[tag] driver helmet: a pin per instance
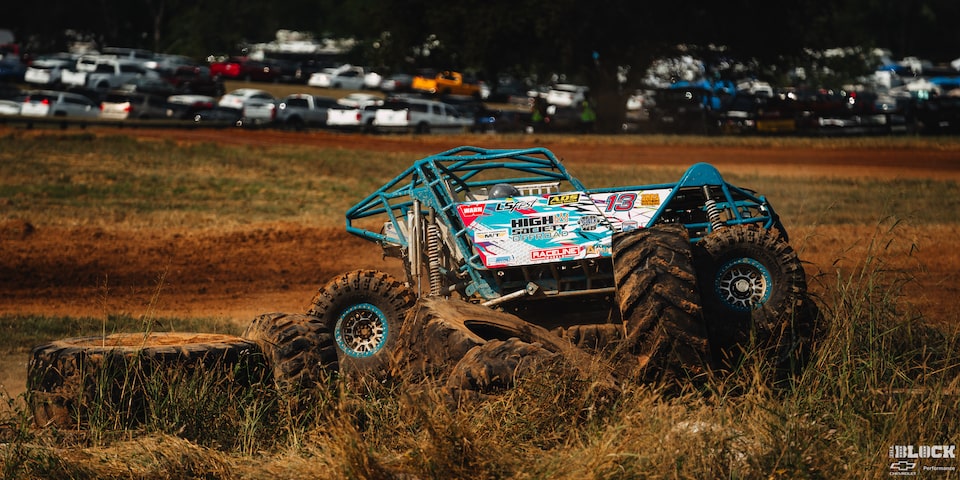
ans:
(504, 190)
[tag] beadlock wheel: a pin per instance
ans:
(743, 284)
(362, 330)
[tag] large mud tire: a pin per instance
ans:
(497, 365)
(659, 302)
(364, 309)
(594, 338)
(300, 350)
(65, 377)
(754, 289)
(439, 331)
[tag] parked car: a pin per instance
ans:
(301, 110)
(355, 111)
(196, 79)
(396, 83)
(360, 99)
(345, 76)
(150, 86)
(566, 94)
(144, 57)
(219, 116)
(243, 68)
(257, 112)
(239, 97)
(186, 106)
(135, 106)
(447, 82)
(47, 70)
(12, 70)
(107, 73)
(53, 103)
(10, 107)
(419, 116)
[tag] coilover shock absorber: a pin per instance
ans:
(713, 213)
(433, 257)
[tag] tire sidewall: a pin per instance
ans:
(377, 296)
(763, 253)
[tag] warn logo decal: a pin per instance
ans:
(554, 253)
(469, 213)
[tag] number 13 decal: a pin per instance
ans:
(621, 202)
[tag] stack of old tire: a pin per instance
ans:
(68, 378)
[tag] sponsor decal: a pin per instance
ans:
(489, 235)
(513, 206)
(502, 259)
(588, 222)
(538, 228)
(469, 213)
(563, 199)
(598, 250)
(554, 253)
(629, 225)
(650, 199)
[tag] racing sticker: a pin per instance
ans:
(469, 213)
(537, 229)
(556, 254)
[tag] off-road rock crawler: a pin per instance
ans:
(664, 271)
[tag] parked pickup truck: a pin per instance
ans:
(419, 116)
(354, 112)
(301, 110)
(108, 73)
(446, 83)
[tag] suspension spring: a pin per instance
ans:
(433, 258)
(713, 213)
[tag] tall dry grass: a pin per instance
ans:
(876, 378)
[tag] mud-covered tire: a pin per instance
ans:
(659, 301)
(300, 349)
(497, 365)
(364, 309)
(439, 331)
(593, 337)
(65, 376)
(753, 288)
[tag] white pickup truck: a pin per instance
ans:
(105, 73)
(419, 116)
(354, 112)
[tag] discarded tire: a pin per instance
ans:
(659, 301)
(497, 365)
(364, 309)
(299, 349)
(753, 288)
(65, 378)
(594, 337)
(439, 331)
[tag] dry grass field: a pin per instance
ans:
(221, 225)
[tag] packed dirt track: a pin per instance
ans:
(239, 273)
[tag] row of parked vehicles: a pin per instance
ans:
(252, 107)
(120, 83)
